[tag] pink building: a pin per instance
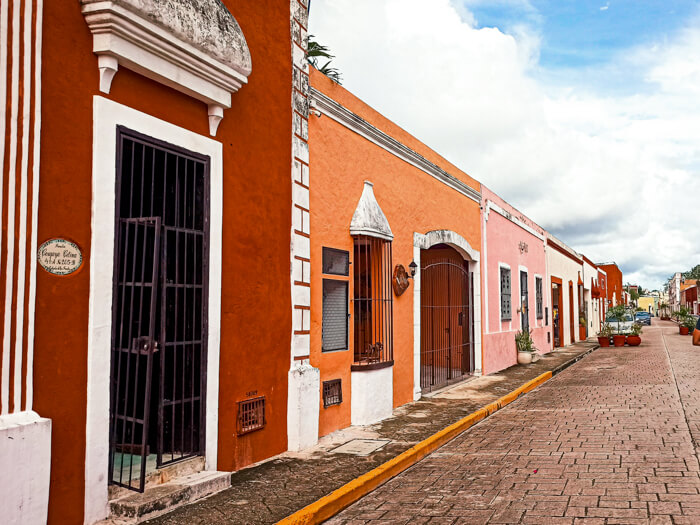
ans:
(514, 286)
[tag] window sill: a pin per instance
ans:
(371, 366)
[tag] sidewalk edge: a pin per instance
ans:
(330, 505)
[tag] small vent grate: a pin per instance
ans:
(332, 393)
(251, 415)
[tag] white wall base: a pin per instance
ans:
(304, 398)
(372, 395)
(25, 468)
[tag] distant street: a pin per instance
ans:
(609, 440)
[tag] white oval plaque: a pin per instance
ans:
(60, 257)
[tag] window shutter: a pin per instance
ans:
(505, 294)
(335, 315)
(538, 296)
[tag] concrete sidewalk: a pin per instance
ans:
(270, 491)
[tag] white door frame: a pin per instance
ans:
(107, 115)
(472, 256)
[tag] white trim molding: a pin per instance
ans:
(106, 117)
(473, 257)
(197, 48)
(490, 205)
(325, 105)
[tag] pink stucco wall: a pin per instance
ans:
(501, 238)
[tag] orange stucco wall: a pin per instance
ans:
(256, 304)
(412, 200)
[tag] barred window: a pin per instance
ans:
(538, 297)
(335, 315)
(374, 333)
(505, 294)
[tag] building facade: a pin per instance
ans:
(144, 145)
(565, 267)
(515, 282)
(395, 263)
(615, 291)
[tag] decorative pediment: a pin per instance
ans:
(194, 46)
(369, 219)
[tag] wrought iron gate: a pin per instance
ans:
(159, 329)
(446, 318)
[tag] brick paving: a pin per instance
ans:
(610, 440)
(272, 490)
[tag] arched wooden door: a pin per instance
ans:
(446, 317)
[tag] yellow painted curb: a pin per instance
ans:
(328, 506)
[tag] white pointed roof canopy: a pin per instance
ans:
(369, 219)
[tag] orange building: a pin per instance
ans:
(384, 206)
(615, 291)
(146, 214)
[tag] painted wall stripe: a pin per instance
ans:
(20, 45)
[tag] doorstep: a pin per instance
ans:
(166, 489)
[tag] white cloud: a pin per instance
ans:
(605, 7)
(615, 175)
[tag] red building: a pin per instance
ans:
(615, 290)
(151, 170)
(689, 298)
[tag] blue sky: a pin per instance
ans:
(581, 33)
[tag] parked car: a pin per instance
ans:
(643, 318)
(621, 325)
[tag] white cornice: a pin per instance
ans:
(126, 36)
(329, 107)
(490, 205)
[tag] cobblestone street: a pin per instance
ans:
(609, 440)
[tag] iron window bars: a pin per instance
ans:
(373, 303)
(505, 294)
(538, 297)
(332, 393)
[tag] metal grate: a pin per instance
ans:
(335, 315)
(332, 393)
(524, 302)
(374, 330)
(159, 307)
(538, 297)
(505, 294)
(336, 262)
(251, 415)
(447, 324)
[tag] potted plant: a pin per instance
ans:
(606, 332)
(525, 346)
(687, 325)
(634, 339)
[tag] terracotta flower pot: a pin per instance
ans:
(634, 340)
(619, 340)
(684, 330)
(524, 358)
(604, 341)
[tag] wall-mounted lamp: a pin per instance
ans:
(412, 268)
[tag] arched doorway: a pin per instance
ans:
(447, 320)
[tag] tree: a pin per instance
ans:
(316, 51)
(694, 273)
(634, 295)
